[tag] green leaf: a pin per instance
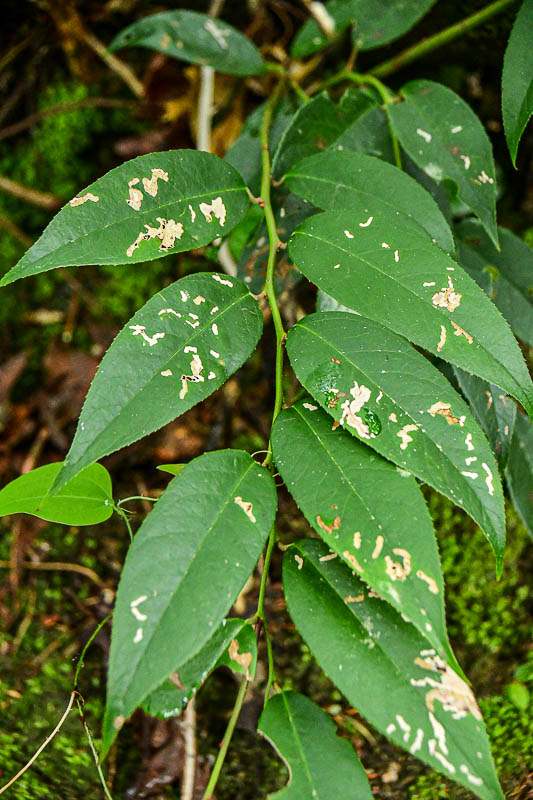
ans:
(193, 37)
(325, 302)
(441, 133)
(175, 351)
(235, 636)
(172, 469)
(340, 180)
(369, 130)
(519, 472)
(186, 566)
(382, 390)
(314, 127)
(181, 199)
(376, 23)
(321, 765)
(517, 79)
(495, 412)
(385, 669)
(506, 275)
(389, 272)
(85, 500)
(339, 484)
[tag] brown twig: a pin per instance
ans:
(56, 566)
(16, 232)
(189, 739)
(63, 108)
(114, 63)
(33, 196)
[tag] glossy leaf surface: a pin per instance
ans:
(517, 78)
(174, 352)
(339, 484)
(376, 23)
(193, 37)
(519, 472)
(441, 134)
(186, 566)
(321, 764)
(85, 500)
(386, 393)
(506, 275)
(366, 185)
(158, 203)
(495, 412)
(385, 669)
(389, 272)
(235, 636)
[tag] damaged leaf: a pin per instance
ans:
(169, 700)
(321, 764)
(391, 545)
(357, 370)
(196, 38)
(444, 137)
(175, 351)
(391, 273)
(138, 218)
(85, 500)
(385, 669)
(187, 564)
(367, 185)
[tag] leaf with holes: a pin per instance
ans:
(382, 390)
(517, 79)
(506, 275)
(193, 37)
(441, 133)
(153, 204)
(186, 566)
(175, 351)
(376, 23)
(85, 500)
(495, 412)
(339, 485)
(232, 645)
(391, 273)
(386, 670)
(366, 185)
(519, 472)
(321, 764)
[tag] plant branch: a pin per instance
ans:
(119, 67)
(206, 95)
(33, 196)
(274, 244)
(439, 39)
(208, 794)
(55, 566)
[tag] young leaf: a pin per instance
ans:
(153, 204)
(517, 79)
(172, 469)
(376, 23)
(193, 37)
(495, 412)
(340, 179)
(381, 389)
(519, 472)
(321, 765)
(175, 351)
(506, 275)
(391, 273)
(236, 638)
(385, 669)
(339, 485)
(441, 133)
(183, 572)
(85, 500)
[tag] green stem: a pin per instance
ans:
(92, 637)
(439, 39)
(122, 513)
(260, 613)
(136, 497)
(274, 244)
(225, 741)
